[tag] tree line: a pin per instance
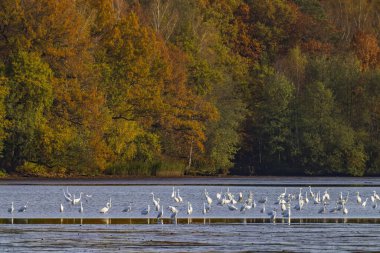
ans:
(189, 87)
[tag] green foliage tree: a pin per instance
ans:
(328, 145)
(271, 125)
(28, 102)
(4, 122)
(368, 113)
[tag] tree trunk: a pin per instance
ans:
(190, 155)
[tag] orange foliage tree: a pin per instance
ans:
(367, 49)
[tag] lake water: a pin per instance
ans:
(42, 227)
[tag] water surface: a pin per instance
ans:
(43, 228)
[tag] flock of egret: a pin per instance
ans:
(282, 205)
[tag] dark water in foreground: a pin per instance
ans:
(42, 228)
(191, 238)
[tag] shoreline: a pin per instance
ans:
(114, 177)
(251, 181)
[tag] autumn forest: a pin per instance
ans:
(189, 87)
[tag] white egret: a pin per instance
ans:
(106, 208)
(173, 193)
(11, 209)
(145, 211)
(364, 203)
(68, 198)
(263, 209)
(156, 202)
(232, 207)
(219, 195)
(209, 200)
(345, 210)
(158, 205)
(77, 200)
(208, 208)
(233, 201)
(300, 204)
(176, 199)
(189, 208)
(240, 199)
(326, 195)
(61, 208)
(340, 196)
(323, 209)
(377, 197)
(68, 193)
(173, 209)
(273, 216)
(311, 193)
(317, 199)
(282, 195)
(225, 201)
(161, 213)
(300, 194)
(250, 196)
(358, 198)
(179, 197)
(23, 209)
(346, 199)
(263, 200)
(283, 207)
(128, 209)
(173, 216)
(247, 206)
(243, 207)
(287, 213)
